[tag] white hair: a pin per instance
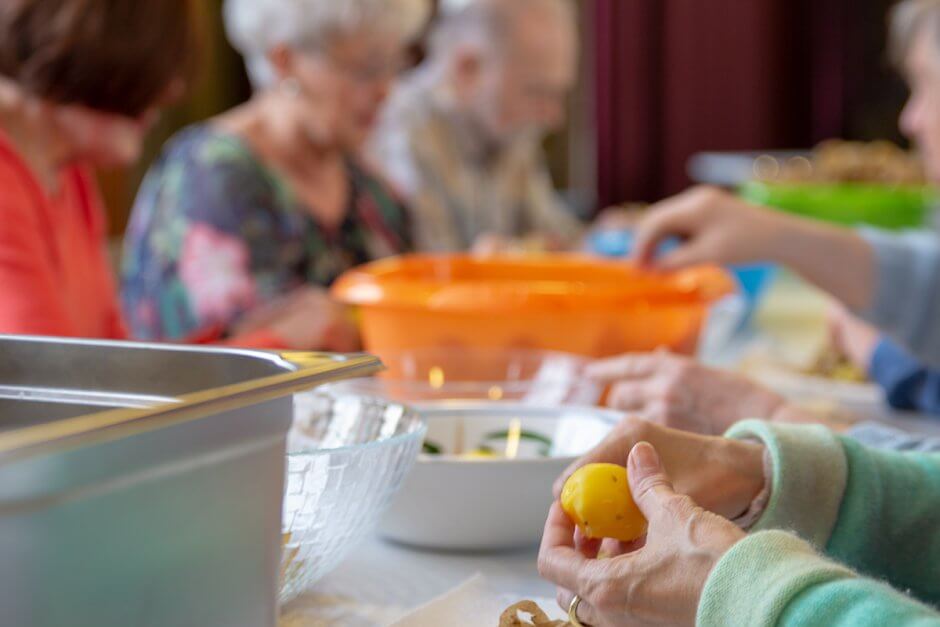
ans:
(908, 19)
(487, 22)
(255, 27)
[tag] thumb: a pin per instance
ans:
(649, 484)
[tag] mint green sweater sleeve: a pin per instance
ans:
(773, 578)
(873, 513)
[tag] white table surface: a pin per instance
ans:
(380, 582)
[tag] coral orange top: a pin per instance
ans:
(54, 275)
(55, 278)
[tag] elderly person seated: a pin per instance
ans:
(839, 534)
(245, 219)
(890, 279)
(461, 135)
(80, 86)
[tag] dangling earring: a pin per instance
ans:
(291, 87)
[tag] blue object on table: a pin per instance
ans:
(619, 243)
(754, 279)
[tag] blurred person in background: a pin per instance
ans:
(81, 82)
(890, 280)
(461, 135)
(245, 219)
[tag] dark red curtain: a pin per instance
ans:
(675, 77)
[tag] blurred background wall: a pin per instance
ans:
(675, 77)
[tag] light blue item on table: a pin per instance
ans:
(754, 279)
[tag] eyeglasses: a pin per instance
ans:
(374, 70)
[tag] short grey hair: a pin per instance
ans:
(907, 20)
(486, 21)
(255, 27)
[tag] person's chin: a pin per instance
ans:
(117, 157)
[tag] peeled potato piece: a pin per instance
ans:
(538, 618)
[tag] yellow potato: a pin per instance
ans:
(597, 498)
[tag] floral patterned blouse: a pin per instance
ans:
(215, 233)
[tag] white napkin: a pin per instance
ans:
(472, 604)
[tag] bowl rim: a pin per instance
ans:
(413, 282)
(371, 385)
(603, 414)
(419, 434)
(419, 431)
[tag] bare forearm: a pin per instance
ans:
(836, 260)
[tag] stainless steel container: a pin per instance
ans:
(141, 485)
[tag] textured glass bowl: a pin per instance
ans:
(525, 376)
(348, 455)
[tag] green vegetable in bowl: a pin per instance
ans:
(430, 448)
(545, 443)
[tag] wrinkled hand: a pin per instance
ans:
(307, 319)
(722, 475)
(852, 337)
(717, 226)
(681, 393)
(658, 584)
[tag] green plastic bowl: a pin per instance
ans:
(851, 204)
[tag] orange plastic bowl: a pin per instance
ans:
(569, 303)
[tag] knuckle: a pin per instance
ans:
(649, 484)
(605, 598)
(544, 566)
(678, 506)
(634, 429)
(594, 588)
(587, 584)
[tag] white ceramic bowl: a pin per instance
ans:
(453, 503)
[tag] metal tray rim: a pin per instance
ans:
(302, 370)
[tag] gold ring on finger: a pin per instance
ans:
(573, 612)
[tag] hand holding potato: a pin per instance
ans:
(658, 584)
(722, 475)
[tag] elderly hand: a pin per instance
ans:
(679, 392)
(659, 584)
(722, 475)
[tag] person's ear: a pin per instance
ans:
(466, 68)
(281, 58)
